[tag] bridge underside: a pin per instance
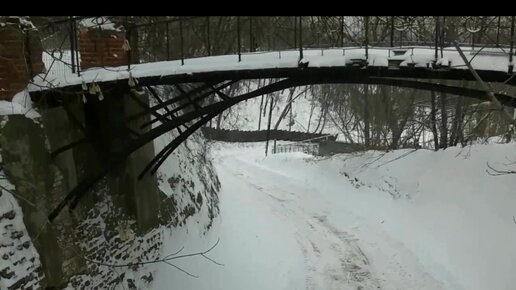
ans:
(344, 74)
(193, 108)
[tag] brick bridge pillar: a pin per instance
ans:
(20, 56)
(100, 46)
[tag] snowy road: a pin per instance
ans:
(332, 256)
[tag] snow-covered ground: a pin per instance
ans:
(400, 220)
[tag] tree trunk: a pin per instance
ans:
(260, 115)
(310, 118)
(367, 133)
(433, 122)
(324, 121)
(444, 121)
(396, 135)
(457, 123)
(286, 109)
(269, 125)
(320, 119)
(219, 120)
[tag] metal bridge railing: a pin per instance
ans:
(180, 37)
(308, 146)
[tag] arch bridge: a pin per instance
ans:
(200, 83)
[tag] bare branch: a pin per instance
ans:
(173, 254)
(210, 259)
(397, 158)
(165, 260)
(194, 254)
(498, 172)
(180, 269)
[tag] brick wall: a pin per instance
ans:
(20, 58)
(100, 48)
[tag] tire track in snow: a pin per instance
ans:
(332, 257)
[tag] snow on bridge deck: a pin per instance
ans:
(488, 59)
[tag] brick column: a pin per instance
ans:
(20, 57)
(99, 48)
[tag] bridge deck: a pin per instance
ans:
(495, 60)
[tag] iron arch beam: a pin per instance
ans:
(467, 92)
(199, 97)
(167, 150)
(214, 109)
(506, 100)
(82, 188)
(173, 100)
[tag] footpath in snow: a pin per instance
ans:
(399, 220)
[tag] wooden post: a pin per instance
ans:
(442, 34)
(128, 38)
(392, 31)
(72, 44)
(76, 37)
(366, 23)
(342, 31)
(295, 31)
(436, 37)
(238, 36)
(181, 40)
(251, 34)
(498, 32)
(168, 41)
(511, 51)
(208, 34)
(300, 38)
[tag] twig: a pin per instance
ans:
(19, 196)
(210, 259)
(397, 158)
(163, 260)
(498, 172)
(173, 254)
(378, 158)
(182, 270)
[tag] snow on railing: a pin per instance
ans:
(307, 146)
(301, 33)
